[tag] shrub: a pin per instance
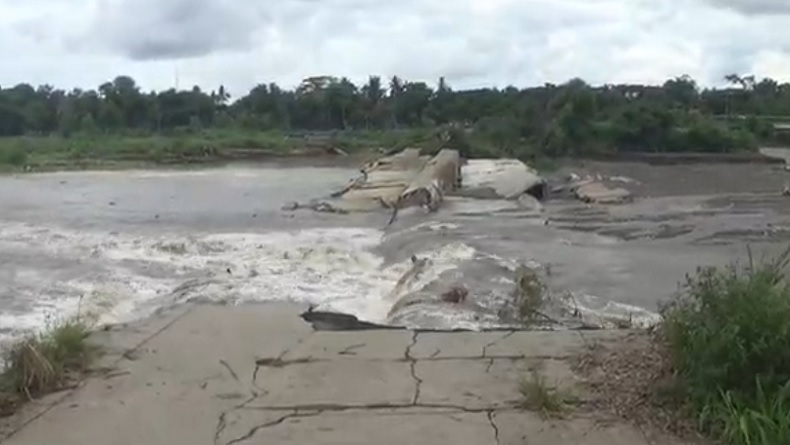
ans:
(729, 337)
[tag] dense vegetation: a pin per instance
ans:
(571, 119)
(729, 339)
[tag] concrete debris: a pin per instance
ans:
(319, 206)
(500, 179)
(529, 202)
(597, 192)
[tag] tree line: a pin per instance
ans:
(554, 120)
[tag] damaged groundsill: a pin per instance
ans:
(501, 355)
(286, 413)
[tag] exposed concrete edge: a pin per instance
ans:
(337, 321)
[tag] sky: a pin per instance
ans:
(472, 43)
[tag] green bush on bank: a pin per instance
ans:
(729, 337)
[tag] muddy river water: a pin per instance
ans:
(120, 245)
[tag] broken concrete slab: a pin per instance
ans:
(499, 179)
(202, 379)
(406, 159)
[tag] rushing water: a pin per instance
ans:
(119, 245)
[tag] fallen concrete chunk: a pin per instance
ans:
(597, 192)
(334, 321)
(500, 179)
(440, 175)
(384, 180)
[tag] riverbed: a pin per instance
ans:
(117, 246)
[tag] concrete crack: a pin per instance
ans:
(491, 414)
(412, 368)
(350, 350)
(418, 382)
(485, 348)
(435, 353)
(230, 369)
(407, 354)
(490, 364)
(277, 361)
(222, 422)
(253, 431)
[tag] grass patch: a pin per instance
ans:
(187, 145)
(728, 337)
(537, 395)
(44, 363)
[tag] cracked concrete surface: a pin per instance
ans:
(258, 375)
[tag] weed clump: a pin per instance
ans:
(44, 363)
(728, 336)
(537, 395)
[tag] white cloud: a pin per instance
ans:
(471, 42)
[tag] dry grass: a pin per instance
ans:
(44, 363)
(632, 378)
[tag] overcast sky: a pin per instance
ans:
(239, 43)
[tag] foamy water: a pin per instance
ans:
(333, 269)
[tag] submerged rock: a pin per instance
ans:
(457, 294)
